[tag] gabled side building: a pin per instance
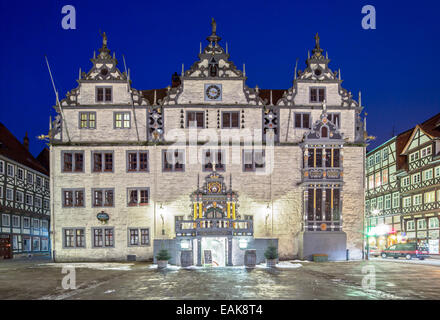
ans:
(24, 198)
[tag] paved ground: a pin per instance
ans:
(394, 279)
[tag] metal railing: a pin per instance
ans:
(200, 227)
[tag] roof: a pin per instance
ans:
(277, 94)
(43, 158)
(13, 149)
(430, 126)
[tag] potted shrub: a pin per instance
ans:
(162, 258)
(271, 255)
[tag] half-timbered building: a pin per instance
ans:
(24, 199)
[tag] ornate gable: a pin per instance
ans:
(323, 130)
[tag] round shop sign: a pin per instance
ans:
(103, 217)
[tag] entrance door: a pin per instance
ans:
(214, 251)
(5, 247)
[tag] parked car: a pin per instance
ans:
(374, 251)
(408, 250)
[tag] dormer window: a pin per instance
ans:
(317, 94)
(103, 94)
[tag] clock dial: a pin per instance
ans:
(213, 92)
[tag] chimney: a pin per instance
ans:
(26, 141)
(175, 80)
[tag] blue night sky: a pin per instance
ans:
(395, 66)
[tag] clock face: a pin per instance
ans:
(213, 91)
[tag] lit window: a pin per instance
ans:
(122, 120)
(87, 120)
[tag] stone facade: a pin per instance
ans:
(273, 200)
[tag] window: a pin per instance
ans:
(122, 120)
(1, 191)
(46, 184)
(15, 221)
(36, 244)
(102, 162)
(134, 237)
(417, 199)
(407, 202)
(29, 178)
(10, 170)
(103, 237)
(421, 224)
(45, 204)
(138, 196)
(378, 157)
(396, 199)
(371, 161)
(302, 120)
(2, 167)
(103, 94)
(74, 238)
(35, 224)
(103, 197)
(20, 173)
(335, 118)
(410, 225)
(87, 120)
(44, 225)
(380, 203)
(145, 237)
(72, 162)
(415, 178)
(253, 160)
(195, 119)
(385, 154)
(44, 244)
(29, 200)
(19, 196)
(231, 120)
(437, 172)
(387, 201)
(137, 161)
(405, 181)
(377, 179)
(38, 181)
(173, 160)
(414, 156)
(73, 197)
(317, 94)
(427, 175)
(429, 197)
(208, 159)
(26, 222)
(385, 176)
(373, 204)
(426, 151)
(135, 240)
(6, 220)
(371, 182)
(433, 223)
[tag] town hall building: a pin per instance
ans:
(208, 168)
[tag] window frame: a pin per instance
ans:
(195, 115)
(302, 120)
(87, 113)
(103, 164)
(173, 165)
(74, 238)
(74, 197)
(73, 154)
(230, 119)
(104, 235)
(217, 152)
(104, 93)
(103, 199)
(115, 113)
(254, 167)
(138, 197)
(138, 160)
(318, 88)
(140, 237)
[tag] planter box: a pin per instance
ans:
(320, 257)
(162, 264)
(271, 263)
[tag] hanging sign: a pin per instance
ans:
(103, 217)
